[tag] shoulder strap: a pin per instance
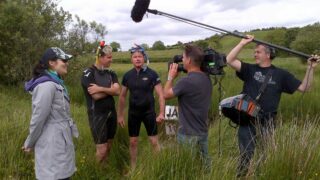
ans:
(265, 83)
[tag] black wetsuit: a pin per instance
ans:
(102, 113)
(141, 101)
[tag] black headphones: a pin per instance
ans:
(272, 52)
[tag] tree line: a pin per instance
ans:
(28, 27)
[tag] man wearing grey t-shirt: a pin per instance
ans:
(194, 96)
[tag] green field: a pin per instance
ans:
(295, 154)
(226, 44)
(28, 27)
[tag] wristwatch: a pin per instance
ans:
(169, 78)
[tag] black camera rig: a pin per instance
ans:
(213, 62)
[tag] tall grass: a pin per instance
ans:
(294, 155)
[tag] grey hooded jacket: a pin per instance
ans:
(50, 133)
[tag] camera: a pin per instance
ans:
(177, 59)
(213, 62)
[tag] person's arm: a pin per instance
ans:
(88, 79)
(42, 98)
(159, 91)
(98, 96)
(308, 78)
(98, 92)
(121, 106)
(232, 59)
(168, 88)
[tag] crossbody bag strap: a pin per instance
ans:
(264, 85)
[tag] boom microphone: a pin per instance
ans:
(139, 9)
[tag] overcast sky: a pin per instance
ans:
(241, 15)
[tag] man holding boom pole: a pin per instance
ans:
(253, 76)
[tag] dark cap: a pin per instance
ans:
(54, 53)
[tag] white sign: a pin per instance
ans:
(171, 113)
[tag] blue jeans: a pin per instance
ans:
(198, 142)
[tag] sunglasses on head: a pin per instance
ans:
(133, 50)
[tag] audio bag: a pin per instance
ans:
(241, 109)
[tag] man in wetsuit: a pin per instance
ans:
(141, 82)
(100, 84)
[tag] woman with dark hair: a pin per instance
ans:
(51, 127)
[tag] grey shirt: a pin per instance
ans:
(194, 97)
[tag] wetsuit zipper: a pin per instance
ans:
(136, 84)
